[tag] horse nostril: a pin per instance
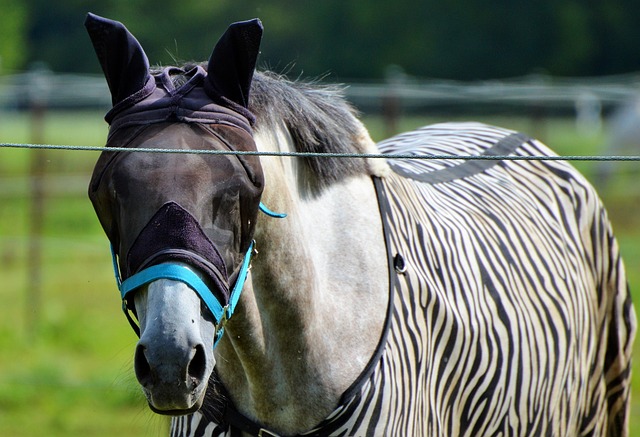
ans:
(198, 365)
(141, 366)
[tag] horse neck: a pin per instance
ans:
(312, 314)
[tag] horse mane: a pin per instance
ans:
(318, 118)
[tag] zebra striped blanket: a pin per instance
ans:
(509, 312)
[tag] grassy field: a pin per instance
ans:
(66, 354)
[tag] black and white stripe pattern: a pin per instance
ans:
(512, 315)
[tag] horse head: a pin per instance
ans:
(178, 222)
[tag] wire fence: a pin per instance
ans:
(620, 158)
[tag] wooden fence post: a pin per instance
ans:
(38, 88)
(395, 78)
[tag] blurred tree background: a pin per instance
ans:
(357, 39)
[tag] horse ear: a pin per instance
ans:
(233, 61)
(123, 61)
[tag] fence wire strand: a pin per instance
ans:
(620, 158)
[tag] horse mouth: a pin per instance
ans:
(175, 406)
(177, 411)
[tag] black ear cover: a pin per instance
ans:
(123, 61)
(233, 62)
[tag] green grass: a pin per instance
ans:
(66, 362)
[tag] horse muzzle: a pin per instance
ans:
(174, 358)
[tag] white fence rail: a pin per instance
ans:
(79, 91)
(525, 93)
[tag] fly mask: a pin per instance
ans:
(161, 211)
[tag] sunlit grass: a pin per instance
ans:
(66, 352)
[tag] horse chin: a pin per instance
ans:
(175, 408)
(184, 412)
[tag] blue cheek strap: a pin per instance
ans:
(178, 272)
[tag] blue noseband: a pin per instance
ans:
(179, 272)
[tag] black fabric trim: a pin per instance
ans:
(160, 101)
(505, 146)
(238, 422)
(383, 206)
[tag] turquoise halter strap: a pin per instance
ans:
(178, 272)
(270, 213)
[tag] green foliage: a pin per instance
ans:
(12, 34)
(358, 39)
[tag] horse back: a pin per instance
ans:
(511, 310)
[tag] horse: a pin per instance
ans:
(285, 280)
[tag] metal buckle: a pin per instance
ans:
(221, 324)
(254, 253)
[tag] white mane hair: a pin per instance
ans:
(320, 120)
